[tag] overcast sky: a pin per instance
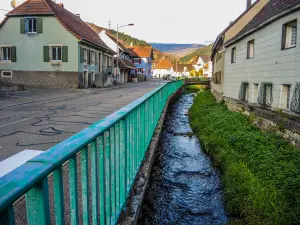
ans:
(165, 21)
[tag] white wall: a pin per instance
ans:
(270, 63)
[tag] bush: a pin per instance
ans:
(260, 172)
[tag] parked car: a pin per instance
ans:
(166, 76)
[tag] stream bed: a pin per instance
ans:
(184, 187)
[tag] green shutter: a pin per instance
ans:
(13, 54)
(65, 53)
(46, 54)
(22, 26)
(81, 55)
(39, 25)
(89, 57)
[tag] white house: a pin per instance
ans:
(261, 64)
(164, 67)
(182, 70)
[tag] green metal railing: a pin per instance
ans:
(109, 154)
(198, 80)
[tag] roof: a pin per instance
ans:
(96, 28)
(70, 21)
(205, 58)
(220, 37)
(273, 10)
(125, 64)
(142, 51)
(164, 64)
(180, 67)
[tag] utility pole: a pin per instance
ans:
(109, 26)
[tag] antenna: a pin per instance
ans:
(109, 26)
(14, 3)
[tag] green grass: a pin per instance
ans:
(192, 89)
(260, 171)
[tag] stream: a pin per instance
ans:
(184, 187)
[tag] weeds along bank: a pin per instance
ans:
(260, 171)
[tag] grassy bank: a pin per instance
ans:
(260, 171)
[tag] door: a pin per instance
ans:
(86, 79)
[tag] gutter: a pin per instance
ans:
(230, 42)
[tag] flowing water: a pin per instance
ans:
(184, 187)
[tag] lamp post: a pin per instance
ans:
(118, 50)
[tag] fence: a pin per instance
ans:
(198, 80)
(109, 154)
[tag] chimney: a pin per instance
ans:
(131, 44)
(78, 15)
(249, 3)
(60, 4)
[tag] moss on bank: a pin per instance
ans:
(260, 171)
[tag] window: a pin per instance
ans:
(255, 92)
(295, 102)
(5, 54)
(136, 61)
(289, 35)
(93, 57)
(85, 55)
(250, 49)
(31, 25)
(285, 96)
(140, 70)
(244, 91)
(6, 73)
(56, 53)
(265, 96)
(233, 55)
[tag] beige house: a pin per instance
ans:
(261, 62)
(218, 50)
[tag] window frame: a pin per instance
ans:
(233, 55)
(136, 61)
(93, 57)
(27, 19)
(8, 60)
(249, 43)
(51, 53)
(284, 35)
(4, 76)
(140, 70)
(85, 55)
(254, 97)
(288, 100)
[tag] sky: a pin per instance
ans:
(163, 21)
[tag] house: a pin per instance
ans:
(163, 67)
(124, 63)
(204, 63)
(43, 44)
(182, 69)
(261, 65)
(142, 59)
(218, 49)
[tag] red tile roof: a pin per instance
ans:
(70, 21)
(142, 51)
(125, 64)
(180, 67)
(269, 13)
(164, 64)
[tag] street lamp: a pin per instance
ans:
(118, 50)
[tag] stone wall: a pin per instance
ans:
(282, 124)
(42, 78)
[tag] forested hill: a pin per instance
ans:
(201, 51)
(127, 39)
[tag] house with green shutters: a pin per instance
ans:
(43, 44)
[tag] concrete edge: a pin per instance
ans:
(130, 214)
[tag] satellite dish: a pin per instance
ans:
(14, 3)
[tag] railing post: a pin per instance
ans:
(100, 154)
(93, 154)
(112, 174)
(107, 177)
(73, 190)
(84, 186)
(58, 196)
(37, 204)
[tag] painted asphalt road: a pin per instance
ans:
(40, 125)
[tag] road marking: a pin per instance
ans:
(14, 96)
(14, 122)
